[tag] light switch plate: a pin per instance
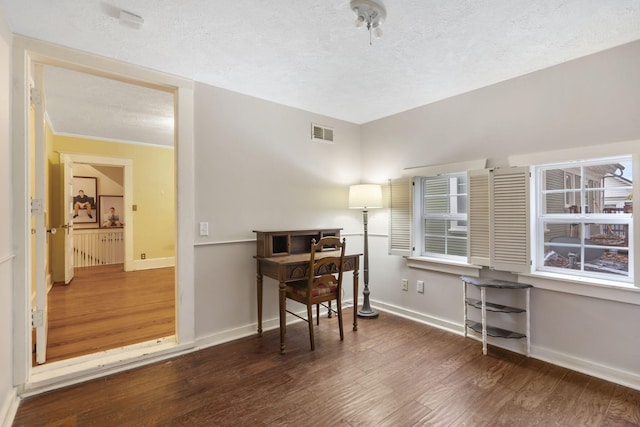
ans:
(204, 228)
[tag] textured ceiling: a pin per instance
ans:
(84, 104)
(308, 54)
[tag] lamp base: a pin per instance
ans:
(367, 314)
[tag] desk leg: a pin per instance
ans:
(355, 296)
(283, 314)
(259, 287)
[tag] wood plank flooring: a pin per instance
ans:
(105, 308)
(391, 372)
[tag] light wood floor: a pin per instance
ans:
(391, 372)
(104, 308)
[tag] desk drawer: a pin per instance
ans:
(284, 270)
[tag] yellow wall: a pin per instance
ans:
(153, 190)
(55, 207)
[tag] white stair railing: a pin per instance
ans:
(98, 247)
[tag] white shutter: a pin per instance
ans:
(400, 196)
(510, 220)
(479, 230)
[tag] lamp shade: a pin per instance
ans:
(363, 196)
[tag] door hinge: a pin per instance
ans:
(36, 206)
(37, 318)
(35, 96)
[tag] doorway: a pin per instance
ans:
(30, 214)
(87, 175)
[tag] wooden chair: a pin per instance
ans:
(324, 283)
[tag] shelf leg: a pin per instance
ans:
(483, 298)
(464, 304)
(528, 315)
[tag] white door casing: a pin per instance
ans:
(26, 53)
(38, 210)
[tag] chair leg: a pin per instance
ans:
(310, 322)
(339, 304)
(330, 312)
(317, 314)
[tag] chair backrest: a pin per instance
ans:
(327, 260)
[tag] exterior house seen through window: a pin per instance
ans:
(584, 218)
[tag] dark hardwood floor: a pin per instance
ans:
(392, 372)
(105, 308)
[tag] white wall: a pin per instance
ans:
(587, 102)
(7, 393)
(256, 168)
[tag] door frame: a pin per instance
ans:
(127, 218)
(31, 380)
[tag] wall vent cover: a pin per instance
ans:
(321, 133)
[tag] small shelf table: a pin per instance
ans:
(483, 305)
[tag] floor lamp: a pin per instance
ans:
(365, 197)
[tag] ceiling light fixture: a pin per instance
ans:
(369, 12)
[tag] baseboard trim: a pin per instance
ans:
(251, 329)
(242, 332)
(9, 408)
(594, 369)
(153, 263)
(436, 322)
(587, 367)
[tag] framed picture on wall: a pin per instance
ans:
(111, 210)
(85, 199)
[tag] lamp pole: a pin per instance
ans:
(366, 311)
(365, 196)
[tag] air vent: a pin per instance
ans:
(321, 133)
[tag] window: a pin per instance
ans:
(443, 218)
(584, 224)
(478, 217)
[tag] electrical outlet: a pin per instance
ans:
(405, 285)
(143, 256)
(420, 286)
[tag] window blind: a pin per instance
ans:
(400, 203)
(479, 218)
(509, 193)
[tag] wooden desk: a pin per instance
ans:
(295, 267)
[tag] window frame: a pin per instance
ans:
(586, 193)
(421, 217)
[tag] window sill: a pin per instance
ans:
(588, 287)
(444, 266)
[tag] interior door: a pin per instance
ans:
(67, 194)
(38, 211)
